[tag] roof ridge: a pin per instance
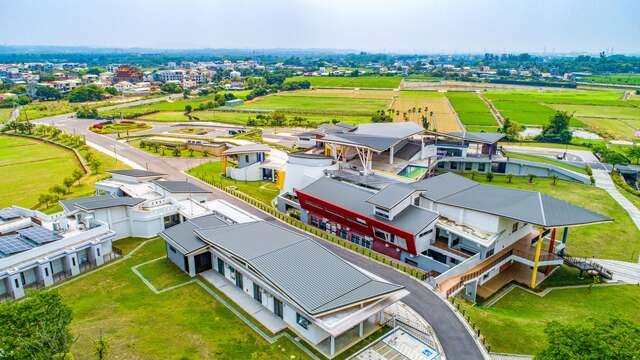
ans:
(544, 218)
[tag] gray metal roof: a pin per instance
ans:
(354, 198)
(309, 156)
(398, 130)
(180, 187)
(136, 173)
(183, 235)
(377, 143)
(481, 137)
(529, 206)
(247, 149)
(99, 202)
(438, 187)
(310, 275)
(391, 195)
(376, 136)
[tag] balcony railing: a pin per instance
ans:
(531, 255)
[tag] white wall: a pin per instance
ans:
(252, 172)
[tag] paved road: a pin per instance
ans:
(456, 341)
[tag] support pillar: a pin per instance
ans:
(15, 286)
(71, 262)
(391, 151)
(552, 243)
(45, 275)
(421, 147)
(333, 346)
(361, 329)
(536, 259)
(192, 265)
(564, 240)
(95, 255)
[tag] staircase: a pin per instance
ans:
(587, 265)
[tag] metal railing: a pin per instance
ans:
(472, 275)
(584, 264)
(531, 255)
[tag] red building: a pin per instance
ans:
(348, 212)
(127, 73)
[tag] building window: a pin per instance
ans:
(361, 221)
(257, 293)
(46, 271)
(278, 308)
(381, 234)
(481, 167)
(173, 250)
(454, 166)
(15, 281)
(390, 238)
(381, 213)
(302, 321)
(246, 158)
(411, 262)
(98, 251)
(468, 166)
(441, 165)
(73, 261)
(514, 228)
(489, 253)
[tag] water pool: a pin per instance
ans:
(413, 171)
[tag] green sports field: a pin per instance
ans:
(29, 167)
(357, 82)
(471, 109)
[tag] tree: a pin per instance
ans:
(278, 118)
(87, 113)
(94, 71)
(509, 178)
(381, 116)
(111, 90)
(531, 178)
(58, 189)
(171, 88)
(511, 129)
(35, 328)
(188, 108)
(95, 166)
(101, 347)
(24, 100)
(86, 93)
(489, 176)
(68, 181)
(47, 93)
(77, 174)
(634, 153)
(44, 199)
(593, 339)
(557, 129)
(554, 178)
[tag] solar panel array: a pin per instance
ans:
(39, 235)
(12, 244)
(9, 213)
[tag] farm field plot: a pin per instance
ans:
(619, 122)
(176, 105)
(30, 167)
(346, 93)
(620, 79)
(357, 82)
(36, 110)
(5, 114)
(515, 324)
(241, 117)
(471, 109)
(434, 105)
(320, 105)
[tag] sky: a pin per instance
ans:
(401, 26)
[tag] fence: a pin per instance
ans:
(415, 272)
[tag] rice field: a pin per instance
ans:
(616, 122)
(347, 93)
(471, 109)
(241, 118)
(434, 105)
(320, 105)
(389, 82)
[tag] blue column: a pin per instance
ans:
(564, 240)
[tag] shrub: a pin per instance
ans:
(489, 176)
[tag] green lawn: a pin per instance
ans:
(619, 240)
(5, 114)
(515, 324)
(471, 109)
(476, 128)
(171, 106)
(36, 110)
(320, 105)
(264, 191)
(167, 151)
(30, 167)
(184, 323)
(357, 82)
(546, 160)
(163, 274)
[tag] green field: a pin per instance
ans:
(357, 82)
(535, 108)
(546, 160)
(619, 79)
(318, 105)
(619, 240)
(515, 324)
(264, 191)
(30, 167)
(183, 323)
(175, 105)
(471, 109)
(476, 128)
(618, 122)
(5, 114)
(36, 110)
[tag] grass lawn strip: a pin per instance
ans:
(545, 160)
(165, 274)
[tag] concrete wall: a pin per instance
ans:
(176, 257)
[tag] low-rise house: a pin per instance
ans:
(328, 302)
(246, 163)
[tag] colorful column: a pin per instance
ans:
(536, 259)
(564, 240)
(551, 246)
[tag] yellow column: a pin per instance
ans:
(536, 259)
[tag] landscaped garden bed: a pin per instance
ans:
(116, 127)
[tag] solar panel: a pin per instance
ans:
(12, 244)
(9, 213)
(39, 235)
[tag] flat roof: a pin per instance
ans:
(391, 195)
(292, 263)
(180, 187)
(136, 173)
(247, 149)
(99, 202)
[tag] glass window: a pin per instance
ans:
(302, 321)
(514, 228)
(454, 166)
(481, 167)
(381, 234)
(468, 166)
(425, 233)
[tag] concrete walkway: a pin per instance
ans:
(604, 181)
(248, 304)
(623, 271)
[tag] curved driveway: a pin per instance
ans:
(457, 342)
